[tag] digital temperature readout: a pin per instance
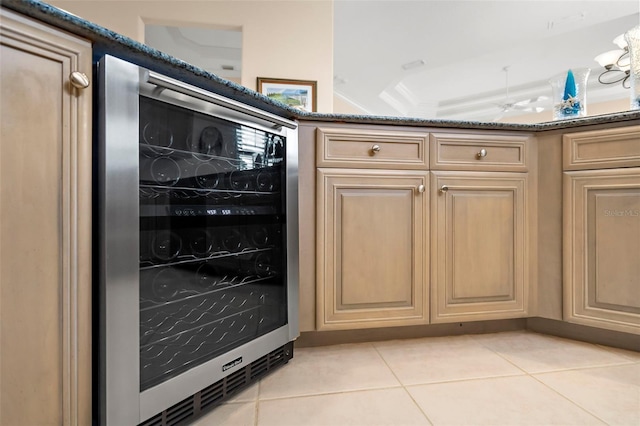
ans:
(222, 211)
(215, 212)
(195, 211)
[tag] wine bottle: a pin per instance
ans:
(166, 246)
(200, 243)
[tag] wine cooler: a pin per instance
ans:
(197, 246)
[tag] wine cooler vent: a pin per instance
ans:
(202, 402)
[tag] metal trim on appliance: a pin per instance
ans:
(178, 86)
(119, 243)
(293, 229)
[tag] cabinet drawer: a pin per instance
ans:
(602, 149)
(452, 151)
(372, 149)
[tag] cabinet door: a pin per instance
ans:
(45, 226)
(372, 251)
(479, 267)
(602, 248)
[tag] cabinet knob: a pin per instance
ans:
(79, 80)
(375, 149)
(444, 188)
(420, 189)
(482, 153)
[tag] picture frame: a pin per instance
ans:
(301, 94)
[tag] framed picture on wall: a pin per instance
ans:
(299, 94)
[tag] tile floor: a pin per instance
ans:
(512, 378)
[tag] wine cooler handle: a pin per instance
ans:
(177, 86)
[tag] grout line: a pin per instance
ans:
(613, 364)
(256, 411)
(615, 351)
(533, 375)
(332, 393)
(403, 386)
(469, 379)
(479, 341)
(568, 399)
(586, 367)
(624, 361)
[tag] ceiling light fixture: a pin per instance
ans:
(566, 20)
(414, 64)
(616, 64)
(338, 79)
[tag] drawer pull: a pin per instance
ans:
(444, 188)
(420, 189)
(482, 153)
(375, 149)
(79, 80)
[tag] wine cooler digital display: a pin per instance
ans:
(212, 237)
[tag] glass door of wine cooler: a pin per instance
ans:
(212, 237)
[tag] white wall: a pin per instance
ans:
(280, 38)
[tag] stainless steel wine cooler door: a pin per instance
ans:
(199, 269)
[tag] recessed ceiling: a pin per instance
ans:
(218, 51)
(446, 59)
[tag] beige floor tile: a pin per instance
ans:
(537, 353)
(511, 401)
(328, 369)
(242, 414)
(631, 355)
(429, 360)
(611, 393)
(392, 407)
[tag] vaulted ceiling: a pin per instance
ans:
(447, 59)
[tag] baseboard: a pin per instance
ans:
(324, 338)
(540, 325)
(584, 333)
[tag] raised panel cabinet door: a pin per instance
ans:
(479, 246)
(602, 248)
(45, 226)
(372, 248)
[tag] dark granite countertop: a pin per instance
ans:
(107, 41)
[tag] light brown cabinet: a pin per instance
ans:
(45, 226)
(481, 246)
(372, 256)
(480, 152)
(602, 229)
(404, 246)
(372, 229)
(490, 235)
(372, 149)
